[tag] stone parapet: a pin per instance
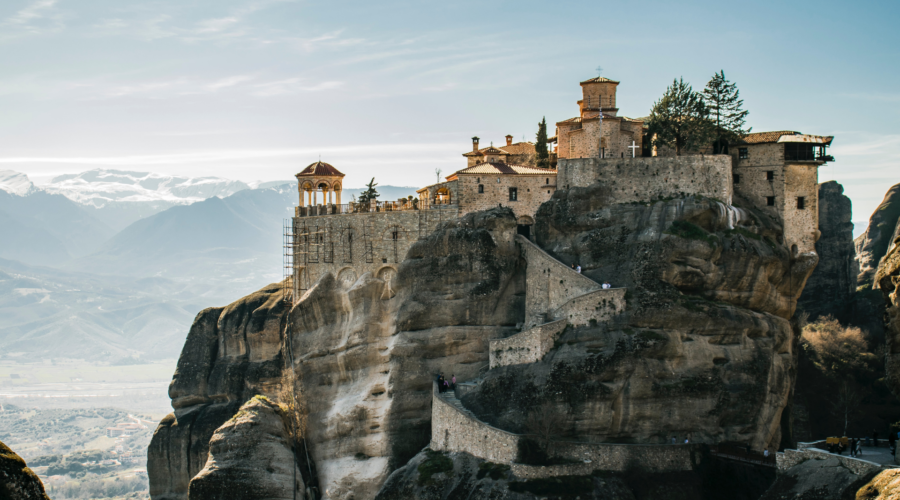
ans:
(527, 347)
(646, 179)
(592, 308)
(791, 458)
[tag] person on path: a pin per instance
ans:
(578, 269)
(452, 381)
(852, 447)
(673, 439)
(766, 453)
(441, 383)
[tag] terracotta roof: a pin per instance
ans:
(493, 151)
(503, 168)
(764, 137)
(320, 168)
(577, 119)
(599, 79)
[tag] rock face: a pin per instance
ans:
(364, 360)
(704, 349)
(884, 486)
(17, 481)
(250, 457)
(872, 245)
(888, 279)
(831, 286)
(818, 480)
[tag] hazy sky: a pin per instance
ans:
(257, 89)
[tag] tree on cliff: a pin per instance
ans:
(723, 99)
(370, 193)
(540, 145)
(680, 119)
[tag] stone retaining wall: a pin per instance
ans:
(549, 283)
(452, 430)
(646, 179)
(529, 346)
(791, 458)
(597, 307)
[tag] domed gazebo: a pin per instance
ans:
(319, 176)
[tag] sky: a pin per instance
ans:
(258, 89)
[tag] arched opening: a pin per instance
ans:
(523, 226)
(443, 197)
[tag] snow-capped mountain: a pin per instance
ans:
(15, 183)
(99, 187)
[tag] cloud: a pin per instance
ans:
(36, 18)
(292, 86)
(231, 81)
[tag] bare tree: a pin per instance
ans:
(845, 404)
(437, 173)
(544, 423)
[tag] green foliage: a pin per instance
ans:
(559, 487)
(495, 471)
(370, 193)
(723, 99)
(691, 231)
(540, 145)
(436, 463)
(680, 119)
(93, 487)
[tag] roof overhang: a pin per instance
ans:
(808, 139)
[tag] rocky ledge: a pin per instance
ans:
(17, 481)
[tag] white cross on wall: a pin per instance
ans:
(633, 148)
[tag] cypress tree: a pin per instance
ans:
(540, 145)
(725, 105)
(680, 119)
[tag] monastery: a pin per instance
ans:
(775, 173)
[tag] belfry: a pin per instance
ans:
(319, 176)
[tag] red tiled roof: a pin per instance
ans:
(503, 168)
(320, 168)
(764, 137)
(599, 79)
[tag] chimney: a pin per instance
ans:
(475, 143)
(509, 140)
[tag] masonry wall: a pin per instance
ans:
(350, 245)
(801, 225)
(548, 283)
(452, 430)
(529, 346)
(532, 191)
(791, 458)
(645, 179)
(595, 307)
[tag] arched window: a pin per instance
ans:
(480, 188)
(547, 181)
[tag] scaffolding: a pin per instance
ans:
(302, 246)
(287, 261)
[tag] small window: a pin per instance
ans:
(513, 194)
(478, 180)
(547, 181)
(498, 180)
(743, 154)
(395, 235)
(770, 175)
(801, 203)
(480, 188)
(735, 178)
(770, 201)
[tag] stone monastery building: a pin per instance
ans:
(775, 173)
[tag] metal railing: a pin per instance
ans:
(374, 207)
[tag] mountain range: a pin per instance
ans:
(76, 283)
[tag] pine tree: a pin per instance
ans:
(724, 102)
(370, 193)
(540, 145)
(680, 119)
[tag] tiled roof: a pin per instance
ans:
(599, 79)
(764, 137)
(320, 168)
(503, 168)
(577, 119)
(493, 151)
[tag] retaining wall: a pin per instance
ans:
(597, 306)
(646, 179)
(791, 458)
(529, 346)
(549, 283)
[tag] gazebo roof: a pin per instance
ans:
(319, 169)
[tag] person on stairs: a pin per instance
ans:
(440, 382)
(452, 382)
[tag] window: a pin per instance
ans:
(801, 203)
(743, 154)
(770, 175)
(513, 194)
(480, 188)
(395, 235)
(735, 178)
(498, 180)
(547, 181)
(770, 201)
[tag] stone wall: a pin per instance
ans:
(594, 307)
(791, 458)
(350, 245)
(529, 346)
(453, 430)
(645, 179)
(532, 190)
(549, 283)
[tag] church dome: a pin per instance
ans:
(320, 169)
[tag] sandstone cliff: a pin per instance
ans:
(888, 279)
(833, 282)
(704, 348)
(872, 245)
(17, 481)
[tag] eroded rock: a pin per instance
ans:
(17, 481)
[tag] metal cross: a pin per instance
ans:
(633, 148)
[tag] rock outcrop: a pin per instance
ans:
(815, 479)
(251, 458)
(872, 245)
(704, 349)
(884, 486)
(831, 285)
(17, 481)
(888, 279)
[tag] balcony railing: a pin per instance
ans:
(364, 208)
